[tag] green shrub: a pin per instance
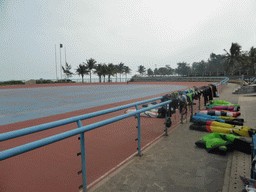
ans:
(64, 81)
(12, 83)
(44, 81)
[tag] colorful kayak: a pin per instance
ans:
(201, 117)
(221, 117)
(222, 143)
(228, 108)
(215, 112)
(223, 103)
(217, 127)
(229, 118)
(235, 112)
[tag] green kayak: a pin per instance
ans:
(223, 103)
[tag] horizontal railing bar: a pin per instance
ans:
(37, 128)
(52, 139)
(180, 77)
(202, 77)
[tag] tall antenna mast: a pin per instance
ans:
(65, 56)
(60, 63)
(56, 62)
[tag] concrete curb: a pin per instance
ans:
(227, 174)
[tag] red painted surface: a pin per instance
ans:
(54, 167)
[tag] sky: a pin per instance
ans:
(152, 33)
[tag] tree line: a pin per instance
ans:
(101, 70)
(232, 62)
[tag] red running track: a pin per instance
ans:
(55, 167)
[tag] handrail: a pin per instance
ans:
(48, 140)
(180, 77)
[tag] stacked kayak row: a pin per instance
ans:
(220, 121)
(227, 132)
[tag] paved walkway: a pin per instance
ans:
(175, 164)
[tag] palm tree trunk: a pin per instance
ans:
(90, 76)
(252, 73)
(82, 78)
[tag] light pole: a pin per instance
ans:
(56, 63)
(60, 63)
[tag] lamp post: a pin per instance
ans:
(60, 63)
(56, 63)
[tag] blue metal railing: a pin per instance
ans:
(34, 129)
(40, 143)
(179, 77)
(80, 130)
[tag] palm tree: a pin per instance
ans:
(169, 70)
(127, 70)
(98, 71)
(155, 72)
(215, 63)
(150, 72)
(120, 69)
(104, 70)
(252, 58)
(233, 55)
(141, 69)
(116, 71)
(82, 70)
(244, 62)
(110, 70)
(67, 71)
(90, 65)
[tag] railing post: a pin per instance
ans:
(199, 103)
(79, 123)
(166, 134)
(139, 135)
(192, 108)
(181, 116)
